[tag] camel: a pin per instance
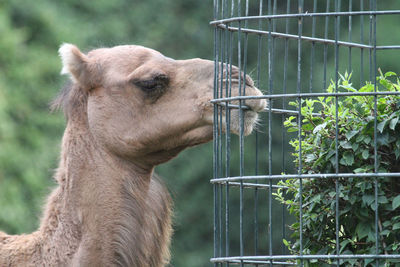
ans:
(128, 108)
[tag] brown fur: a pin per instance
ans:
(128, 109)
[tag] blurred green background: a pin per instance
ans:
(30, 34)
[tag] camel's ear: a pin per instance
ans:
(75, 64)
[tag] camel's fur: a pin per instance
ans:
(128, 109)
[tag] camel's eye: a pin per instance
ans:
(154, 85)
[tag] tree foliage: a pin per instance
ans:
(354, 123)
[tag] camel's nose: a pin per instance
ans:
(256, 105)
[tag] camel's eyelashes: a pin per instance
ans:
(150, 85)
(154, 85)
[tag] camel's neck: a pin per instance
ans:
(105, 210)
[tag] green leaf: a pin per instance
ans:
(365, 154)
(386, 83)
(319, 127)
(368, 199)
(286, 243)
(347, 159)
(367, 139)
(398, 143)
(350, 134)
(385, 232)
(359, 170)
(343, 244)
(362, 230)
(396, 202)
(383, 139)
(383, 200)
(381, 126)
(345, 144)
(307, 127)
(393, 123)
(367, 261)
(330, 154)
(390, 73)
(367, 88)
(310, 158)
(397, 153)
(396, 226)
(354, 146)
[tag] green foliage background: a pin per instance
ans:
(356, 151)
(30, 34)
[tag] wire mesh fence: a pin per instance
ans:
(288, 194)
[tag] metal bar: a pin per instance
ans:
(373, 22)
(274, 110)
(215, 132)
(270, 85)
(303, 38)
(285, 64)
(307, 38)
(305, 95)
(227, 134)
(228, 149)
(274, 9)
(220, 143)
(362, 41)
(262, 263)
(227, 219)
(385, 47)
(350, 34)
(326, 45)
(337, 223)
(312, 47)
(242, 118)
(259, 46)
(306, 175)
(241, 141)
(255, 185)
(299, 122)
(305, 15)
(308, 257)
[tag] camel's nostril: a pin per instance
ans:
(257, 105)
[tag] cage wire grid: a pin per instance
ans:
(274, 41)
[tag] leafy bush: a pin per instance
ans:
(356, 155)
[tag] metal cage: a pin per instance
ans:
(293, 50)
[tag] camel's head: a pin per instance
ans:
(148, 107)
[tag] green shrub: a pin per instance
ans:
(355, 155)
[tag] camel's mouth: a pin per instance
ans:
(241, 120)
(238, 122)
